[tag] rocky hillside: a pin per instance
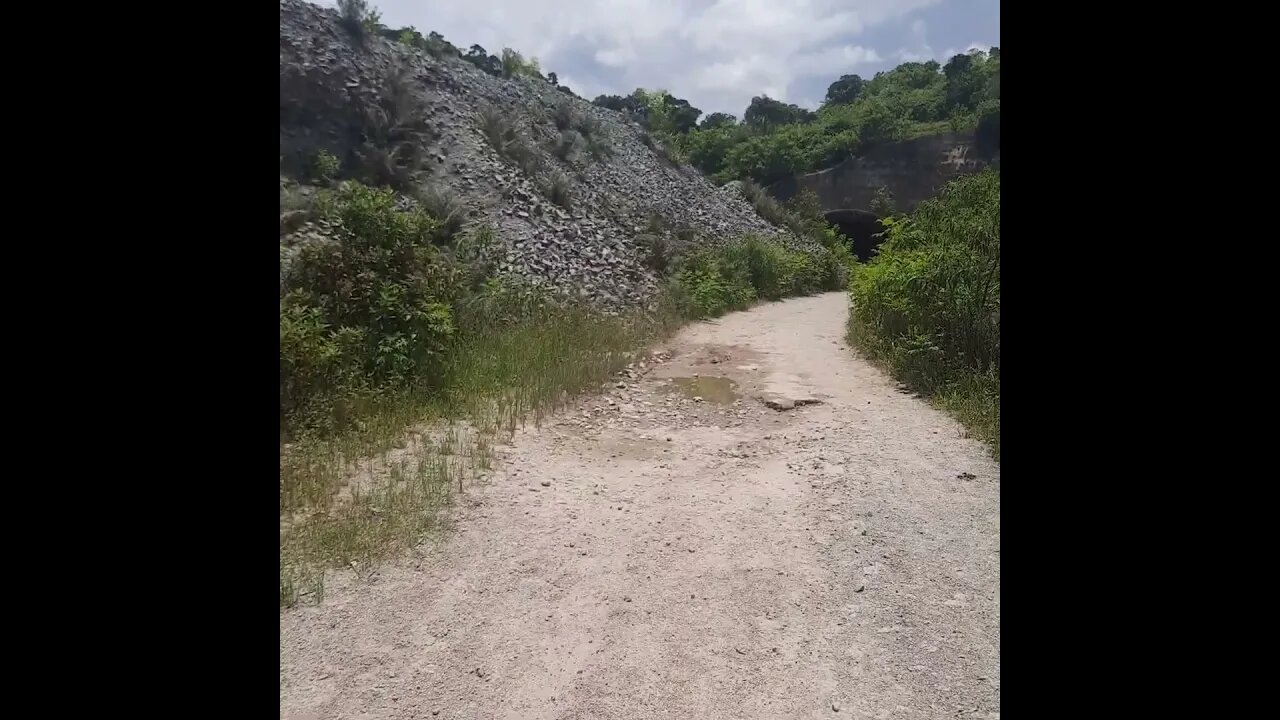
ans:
(434, 122)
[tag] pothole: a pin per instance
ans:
(719, 390)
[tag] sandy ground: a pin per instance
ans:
(653, 555)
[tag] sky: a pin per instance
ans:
(717, 54)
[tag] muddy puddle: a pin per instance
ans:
(719, 390)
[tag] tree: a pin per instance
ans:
(628, 104)
(765, 112)
(709, 147)
(965, 81)
(718, 119)
(684, 117)
(481, 58)
(845, 90)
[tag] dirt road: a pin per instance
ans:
(656, 555)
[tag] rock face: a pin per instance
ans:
(912, 170)
(330, 83)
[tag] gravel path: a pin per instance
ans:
(655, 555)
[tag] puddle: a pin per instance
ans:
(712, 389)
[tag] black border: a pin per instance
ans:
(1074, 167)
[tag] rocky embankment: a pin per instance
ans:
(593, 245)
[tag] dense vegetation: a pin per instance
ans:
(928, 306)
(775, 140)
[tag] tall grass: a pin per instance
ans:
(373, 492)
(928, 306)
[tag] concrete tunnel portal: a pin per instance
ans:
(861, 227)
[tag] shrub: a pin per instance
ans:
(507, 142)
(655, 252)
(325, 167)
(396, 131)
(564, 116)
(882, 203)
(928, 306)
(447, 209)
(567, 146)
(599, 148)
(514, 64)
(525, 156)
(555, 186)
(371, 310)
(764, 203)
(358, 18)
(496, 128)
(715, 283)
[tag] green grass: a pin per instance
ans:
(974, 400)
(375, 491)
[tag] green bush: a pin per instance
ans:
(716, 281)
(513, 64)
(325, 167)
(371, 310)
(928, 306)
(358, 18)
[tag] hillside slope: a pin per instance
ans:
(356, 98)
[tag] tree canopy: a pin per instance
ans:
(777, 139)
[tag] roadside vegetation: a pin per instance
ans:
(404, 357)
(927, 307)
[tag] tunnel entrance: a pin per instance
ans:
(861, 227)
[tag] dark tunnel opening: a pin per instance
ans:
(861, 227)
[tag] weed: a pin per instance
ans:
(566, 148)
(564, 116)
(555, 186)
(655, 252)
(395, 132)
(496, 128)
(507, 142)
(446, 208)
(588, 125)
(325, 167)
(598, 147)
(525, 156)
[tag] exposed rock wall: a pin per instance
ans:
(329, 81)
(912, 170)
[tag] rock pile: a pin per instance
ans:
(592, 245)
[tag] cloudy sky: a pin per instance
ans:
(715, 53)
